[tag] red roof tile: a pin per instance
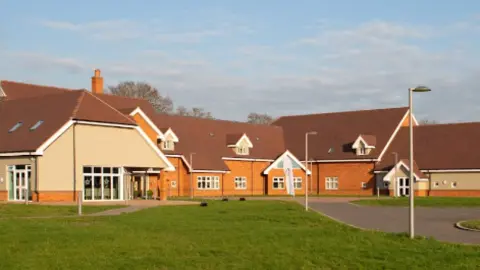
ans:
(437, 147)
(337, 132)
(208, 140)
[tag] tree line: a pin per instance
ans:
(163, 104)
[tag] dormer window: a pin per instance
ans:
(242, 150)
(168, 145)
(364, 144)
(239, 143)
(169, 140)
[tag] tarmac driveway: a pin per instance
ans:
(432, 222)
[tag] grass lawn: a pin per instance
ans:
(424, 201)
(472, 224)
(22, 210)
(224, 235)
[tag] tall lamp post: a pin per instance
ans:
(191, 175)
(306, 166)
(411, 179)
(394, 182)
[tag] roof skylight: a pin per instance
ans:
(15, 127)
(36, 125)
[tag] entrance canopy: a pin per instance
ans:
(401, 169)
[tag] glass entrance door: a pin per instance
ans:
(19, 182)
(403, 186)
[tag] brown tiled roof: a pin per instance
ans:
(128, 104)
(208, 140)
(55, 110)
(371, 140)
(416, 170)
(232, 139)
(30, 111)
(18, 90)
(437, 147)
(337, 132)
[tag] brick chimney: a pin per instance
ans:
(97, 83)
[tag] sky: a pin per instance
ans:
(276, 57)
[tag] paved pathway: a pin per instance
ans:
(432, 222)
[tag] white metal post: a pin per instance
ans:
(191, 175)
(306, 171)
(411, 180)
(80, 200)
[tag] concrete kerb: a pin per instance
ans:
(458, 225)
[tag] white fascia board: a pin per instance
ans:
(160, 135)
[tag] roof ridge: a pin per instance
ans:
(124, 97)
(342, 112)
(449, 124)
(41, 85)
(217, 120)
(119, 112)
(77, 106)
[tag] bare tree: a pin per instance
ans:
(145, 91)
(259, 118)
(194, 112)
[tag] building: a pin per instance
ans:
(446, 162)
(79, 146)
(343, 153)
(57, 142)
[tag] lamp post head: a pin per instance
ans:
(312, 133)
(420, 88)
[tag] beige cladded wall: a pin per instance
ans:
(464, 180)
(400, 173)
(94, 146)
(6, 161)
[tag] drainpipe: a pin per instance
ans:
(251, 169)
(75, 197)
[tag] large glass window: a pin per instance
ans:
(208, 182)
(240, 182)
(331, 183)
(297, 182)
(102, 183)
(278, 183)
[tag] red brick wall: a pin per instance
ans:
(54, 196)
(180, 175)
(279, 173)
(252, 170)
(454, 193)
(350, 176)
(3, 195)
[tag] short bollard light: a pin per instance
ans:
(225, 199)
(243, 199)
(203, 204)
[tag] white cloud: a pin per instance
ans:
(153, 30)
(336, 69)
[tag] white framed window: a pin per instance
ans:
(386, 184)
(278, 183)
(208, 182)
(362, 151)
(364, 185)
(102, 183)
(168, 145)
(331, 183)
(173, 184)
(240, 182)
(242, 150)
(297, 182)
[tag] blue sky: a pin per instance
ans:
(276, 57)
